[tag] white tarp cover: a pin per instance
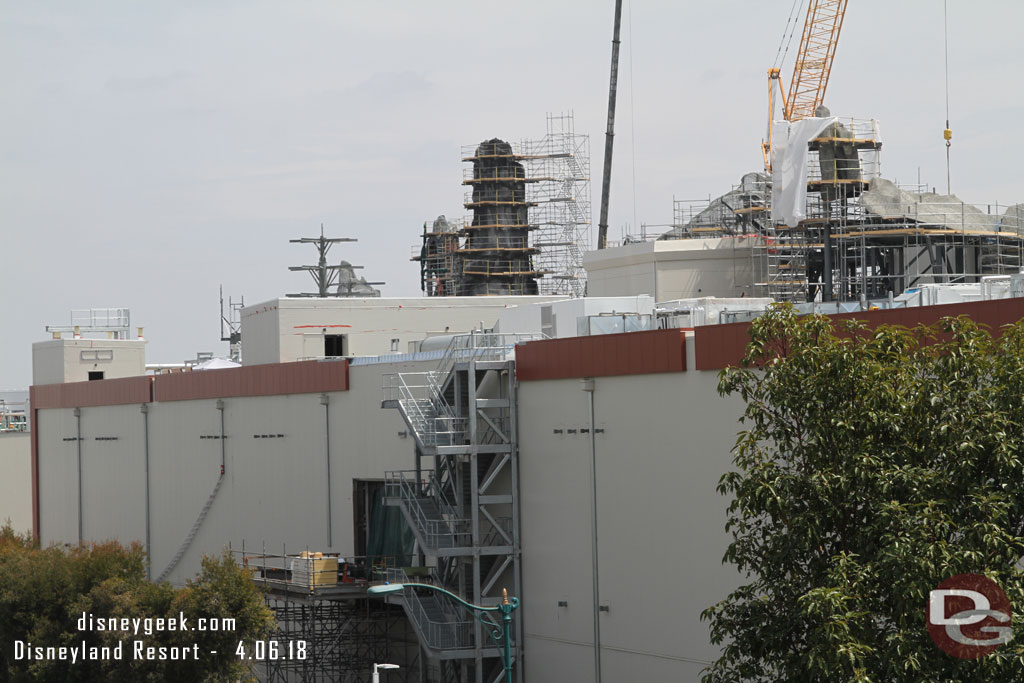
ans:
(216, 364)
(789, 166)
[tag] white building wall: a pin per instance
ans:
(70, 360)
(261, 333)
(372, 326)
(660, 524)
(16, 480)
(673, 269)
(529, 319)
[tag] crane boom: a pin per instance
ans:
(814, 59)
(810, 72)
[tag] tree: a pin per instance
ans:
(45, 591)
(874, 464)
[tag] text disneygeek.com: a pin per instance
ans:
(142, 650)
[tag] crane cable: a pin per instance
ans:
(794, 12)
(947, 133)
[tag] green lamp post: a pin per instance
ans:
(507, 604)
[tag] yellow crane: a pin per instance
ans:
(812, 68)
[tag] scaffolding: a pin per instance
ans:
(530, 223)
(560, 164)
(859, 237)
(13, 416)
(436, 256)
(497, 197)
(328, 631)
(461, 501)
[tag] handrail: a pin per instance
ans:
(450, 530)
(420, 395)
(451, 634)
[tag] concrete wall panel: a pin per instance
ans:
(184, 466)
(113, 474)
(660, 521)
(58, 476)
(16, 482)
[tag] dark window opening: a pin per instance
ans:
(95, 374)
(381, 533)
(335, 345)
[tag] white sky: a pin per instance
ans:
(152, 151)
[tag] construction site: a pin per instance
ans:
(826, 226)
(539, 435)
(530, 221)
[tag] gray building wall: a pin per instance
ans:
(16, 480)
(661, 524)
(665, 444)
(275, 489)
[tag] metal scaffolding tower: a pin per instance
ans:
(436, 256)
(494, 257)
(328, 630)
(561, 197)
(461, 501)
(530, 223)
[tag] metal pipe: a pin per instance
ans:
(826, 294)
(223, 451)
(609, 136)
(145, 444)
(325, 400)
(588, 386)
(78, 443)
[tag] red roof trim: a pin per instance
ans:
(719, 346)
(104, 392)
(305, 377)
(606, 355)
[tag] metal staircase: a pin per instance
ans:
(461, 499)
(786, 252)
(180, 552)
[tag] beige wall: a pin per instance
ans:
(70, 360)
(16, 480)
(661, 524)
(673, 269)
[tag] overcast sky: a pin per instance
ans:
(151, 151)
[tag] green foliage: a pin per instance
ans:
(44, 592)
(873, 465)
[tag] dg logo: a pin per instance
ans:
(969, 616)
